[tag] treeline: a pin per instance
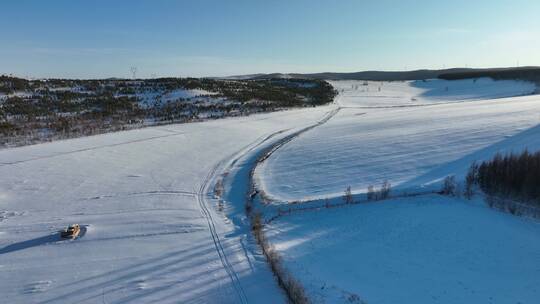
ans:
(526, 74)
(33, 111)
(511, 176)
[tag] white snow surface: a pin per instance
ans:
(4, 96)
(140, 196)
(427, 249)
(145, 238)
(412, 146)
(422, 249)
(152, 97)
(405, 93)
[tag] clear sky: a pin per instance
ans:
(89, 39)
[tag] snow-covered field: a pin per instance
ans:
(152, 233)
(410, 146)
(406, 93)
(427, 249)
(140, 197)
(422, 249)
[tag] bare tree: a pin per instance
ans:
(470, 180)
(347, 197)
(449, 186)
(385, 190)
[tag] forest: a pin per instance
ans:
(526, 74)
(510, 181)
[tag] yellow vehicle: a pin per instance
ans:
(71, 231)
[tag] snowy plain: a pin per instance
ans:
(137, 194)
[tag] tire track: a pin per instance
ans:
(282, 142)
(201, 198)
(253, 192)
(266, 153)
(88, 149)
(202, 192)
(142, 193)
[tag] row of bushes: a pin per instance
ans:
(373, 194)
(293, 288)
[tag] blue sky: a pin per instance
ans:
(91, 39)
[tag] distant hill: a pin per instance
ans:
(524, 73)
(530, 73)
(33, 111)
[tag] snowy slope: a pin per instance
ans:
(139, 196)
(404, 93)
(410, 146)
(422, 249)
(429, 249)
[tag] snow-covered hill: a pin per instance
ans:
(420, 92)
(373, 139)
(421, 249)
(35, 111)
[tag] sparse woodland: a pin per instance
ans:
(33, 111)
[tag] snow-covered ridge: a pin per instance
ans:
(33, 111)
(472, 89)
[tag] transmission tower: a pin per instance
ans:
(133, 70)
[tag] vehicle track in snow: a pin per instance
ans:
(252, 190)
(202, 195)
(282, 142)
(88, 149)
(204, 190)
(289, 138)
